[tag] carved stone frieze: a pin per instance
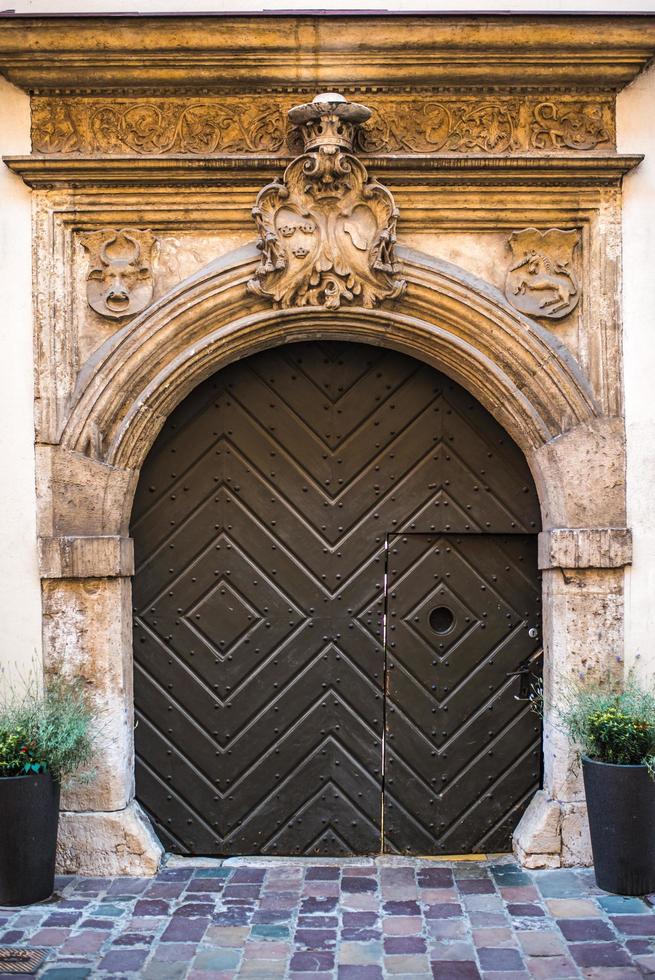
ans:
(257, 123)
(571, 126)
(326, 231)
(119, 281)
(425, 126)
(541, 281)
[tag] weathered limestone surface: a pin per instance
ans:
(458, 209)
(462, 52)
(553, 834)
(86, 557)
(79, 496)
(585, 469)
(87, 627)
(602, 547)
(538, 838)
(576, 842)
(446, 317)
(107, 844)
(583, 638)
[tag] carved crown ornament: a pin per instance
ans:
(327, 231)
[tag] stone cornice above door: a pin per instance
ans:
(62, 170)
(240, 53)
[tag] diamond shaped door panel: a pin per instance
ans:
(259, 523)
(462, 755)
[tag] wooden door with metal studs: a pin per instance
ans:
(295, 664)
(463, 743)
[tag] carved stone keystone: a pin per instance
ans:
(326, 231)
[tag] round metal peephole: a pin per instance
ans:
(441, 620)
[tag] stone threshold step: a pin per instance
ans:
(381, 860)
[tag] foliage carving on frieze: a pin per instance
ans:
(425, 126)
(159, 126)
(54, 129)
(572, 126)
(258, 123)
(327, 231)
(196, 128)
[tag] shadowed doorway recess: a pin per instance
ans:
(289, 502)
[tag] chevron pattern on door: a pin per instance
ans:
(463, 754)
(260, 523)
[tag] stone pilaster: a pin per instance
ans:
(583, 638)
(87, 634)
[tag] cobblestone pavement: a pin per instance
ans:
(361, 919)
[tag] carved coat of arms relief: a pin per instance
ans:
(541, 280)
(326, 231)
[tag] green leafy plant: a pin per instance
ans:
(612, 724)
(46, 731)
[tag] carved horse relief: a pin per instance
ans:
(326, 231)
(541, 280)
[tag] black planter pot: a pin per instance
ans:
(621, 809)
(29, 818)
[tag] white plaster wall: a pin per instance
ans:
(20, 598)
(636, 134)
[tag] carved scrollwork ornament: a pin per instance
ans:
(119, 280)
(327, 231)
(573, 126)
(541, 281)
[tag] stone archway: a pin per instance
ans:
(515, 367)
(274, 716)
(447, 318)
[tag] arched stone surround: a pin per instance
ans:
(464, 327)
(515, 367)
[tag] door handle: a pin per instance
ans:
(525, 674)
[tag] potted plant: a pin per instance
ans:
(44, 737)
(615, 732)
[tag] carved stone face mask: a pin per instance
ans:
(119, 283)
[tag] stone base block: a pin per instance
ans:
(576, 841)
(538, 837)
(553, 834)
(536, 862)
(112, 843)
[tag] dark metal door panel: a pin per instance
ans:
(259, 524)
(463, 755)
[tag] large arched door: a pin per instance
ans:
(336, 592)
